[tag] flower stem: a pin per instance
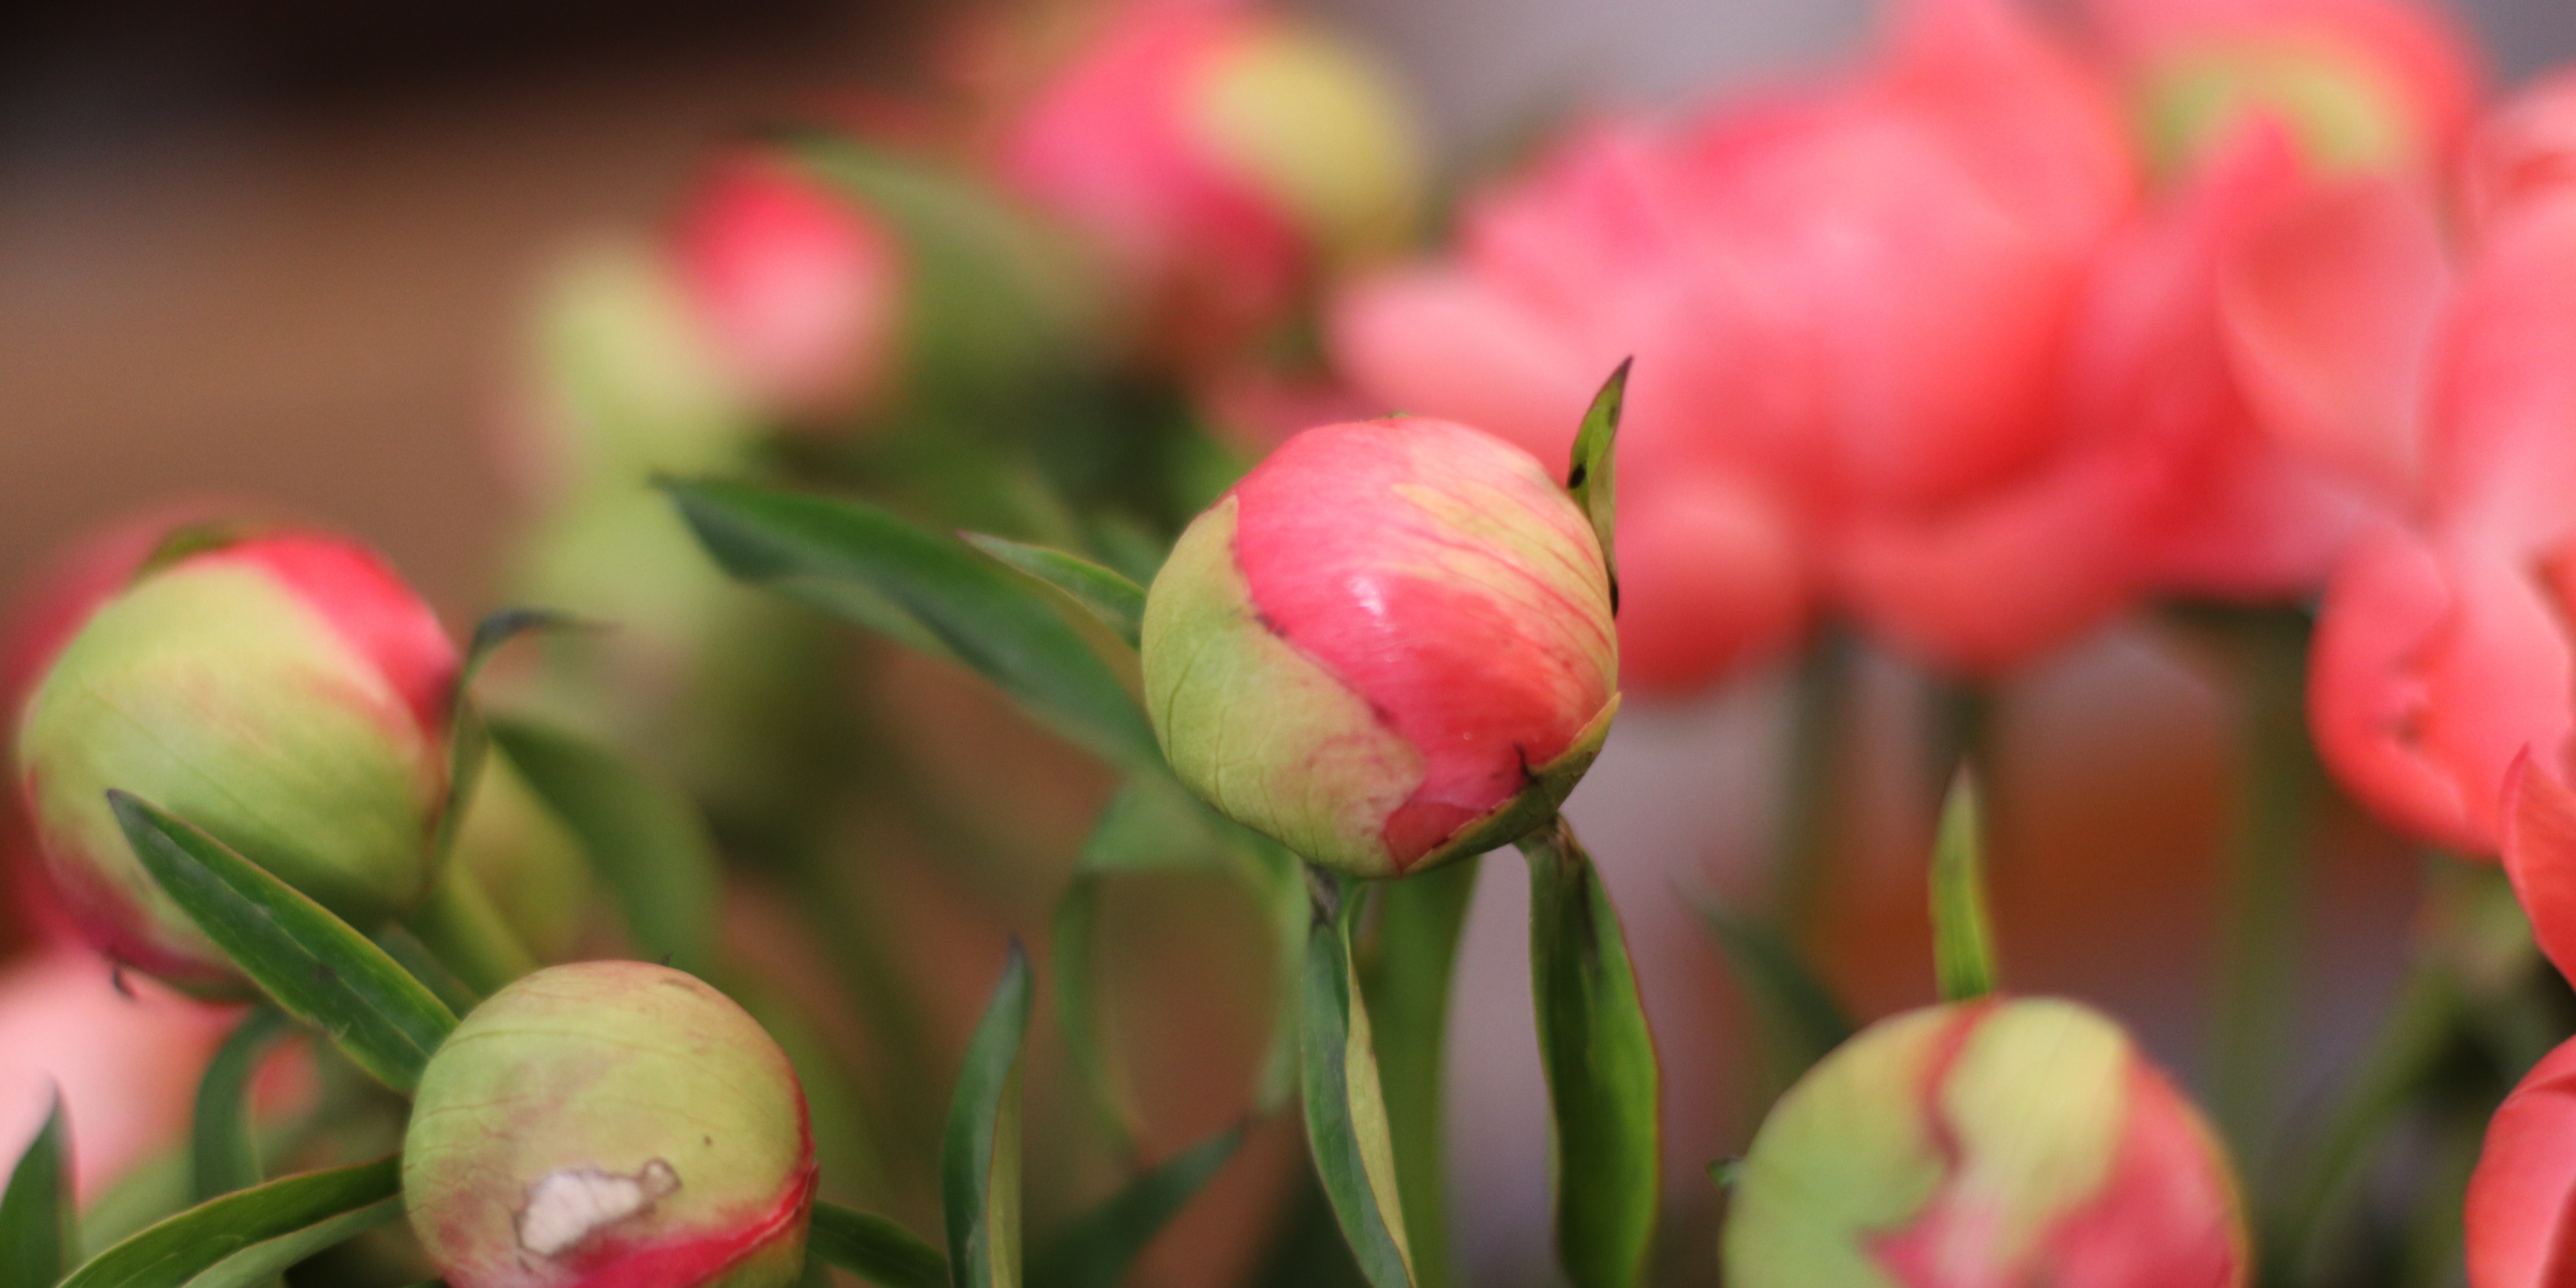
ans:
(2265, 877)
(1819, 734)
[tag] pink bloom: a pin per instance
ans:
(2520, 1195)
(1220, 156)
(1846, 305)
(2385, 85)
(2442, 652)
(799, 290)
(2525, 153)
(1388, 635)
(127, 1066)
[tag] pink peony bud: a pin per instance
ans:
(1388, 646)
(286, 692)
(610, 1123)
(2518, 1202)
(1220, 155)
(126, 1060)
(800, 292)
(1984, 1144)
(2385, 85)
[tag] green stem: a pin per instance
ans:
(465, 930)
(1820, 726)
(1406, 982)
(2266, 876)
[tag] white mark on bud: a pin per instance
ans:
(566, 1207)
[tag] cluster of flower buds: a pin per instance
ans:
(282, 689)
(610, 1123)
(2019, 1141)
(1388, 646)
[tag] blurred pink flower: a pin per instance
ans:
(800, 292)
(1220, 156)
(2525, 155)
(2386, 85)
(1846, 305)
(126, 1065)
(2516, 1215)
(2443, 649)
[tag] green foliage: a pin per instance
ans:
(874, 1249)
(1407, 975)
(310, 963)
(175, 1251)
(1592, 476)
(1098, 1249)
(1118, 602)
(1346, 1123)
(1963, 947)
(261, 1263)
(37, 1224)
(1602, 1079)
(221, 1158)
(1799, 1018)
(979, 1159)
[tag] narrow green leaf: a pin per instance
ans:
(466, 932)
(1346, 1126)
(173, 1252)
(874, 1249)
(1107, 595)
(221, 1158)
(414, 956)
(1592, 477)
(1602, 1079)
(37, 1226)
(1077, 1011)
(979, 1160)
(987, 617)
(262, 1263)
(648, 841)
(1963, 948)
(1799, 1017)
(1097, 1250)
(465, 735)
(1419, 924)
(309, 962)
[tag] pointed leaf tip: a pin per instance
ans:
(1963, 951)
(1591, 477)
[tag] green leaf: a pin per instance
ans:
(1592, 477)
(1799, 1018)
(987, 617)
(649, 843)
(1097, 1250)
(221, 1158)
(1963, 948)
(979, 1160)
(261, 1263)
(465, 736)
(1346, 1125)
(1602, 1078)
(1419, 923)
(37, 1225)
(1077, 1011)
(1109, 596)
(465, 931)
(308, 961)
(173, 1252)
(414, 956)
(874, 1249)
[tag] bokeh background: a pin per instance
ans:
(282, 249)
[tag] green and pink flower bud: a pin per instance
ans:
(288, 693)
(1983, 1144)
(1388, 646)
(610, 1125)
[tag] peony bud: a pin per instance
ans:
(798, 290)
(1985, 1143)
(287, 693)
(1388, 646)
(1219, 155)
(2517, 1210)
(610, 1123)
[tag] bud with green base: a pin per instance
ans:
(1389, 646)
(610, 1125)
(285, 691)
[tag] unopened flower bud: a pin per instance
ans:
(799, 291)
(1388, 646)
(288, 693)
(1985, 1143)
(1219, 155)
(610, 1123)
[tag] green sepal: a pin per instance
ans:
(1592, 477)
(310, 963)
(1963, 947)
